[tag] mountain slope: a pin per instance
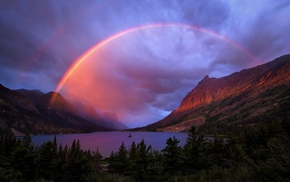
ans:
(88, 112)
(55, 101)
(20, 114)
(240, 98)
(59, 112)
(112, 120)
(85, 111)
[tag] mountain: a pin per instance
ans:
(37, 115)
(112, 119)
(85, 111)
(55, 108)
(33, 95)
(88, 112)
(13, 99)
(248, 97)
(55, 101)
(19, 113)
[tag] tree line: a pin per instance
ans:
(21, 160)
(256, 153)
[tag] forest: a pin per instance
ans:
(255, 153)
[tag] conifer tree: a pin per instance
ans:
(141, 172)
(23, 158)
(96, 159)
(60, 164)
(172, 156)
(46, 160)
(132, 159)
(122, 159)
(195, 152)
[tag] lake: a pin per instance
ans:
(107, 142)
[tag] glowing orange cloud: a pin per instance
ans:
(110, 78)
(87, 54)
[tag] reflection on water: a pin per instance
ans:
(111, 141)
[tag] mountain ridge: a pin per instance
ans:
(222, 99)
(22, 111)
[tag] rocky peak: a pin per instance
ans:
(55, 101)
(206, 80)
(244, 94)
(249, 80)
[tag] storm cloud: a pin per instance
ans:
(143, 75)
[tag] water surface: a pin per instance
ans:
(111, 141)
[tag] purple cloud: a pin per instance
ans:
(152, 70)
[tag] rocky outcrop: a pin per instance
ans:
(239, 97)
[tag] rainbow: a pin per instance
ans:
(97, 46)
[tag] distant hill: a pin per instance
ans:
(88, 112)
(31, 111)
(112, 120)
(248, 97)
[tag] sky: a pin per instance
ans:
(147, 54)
